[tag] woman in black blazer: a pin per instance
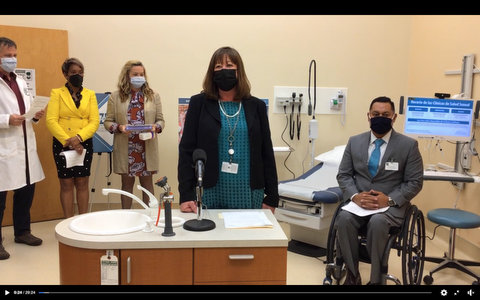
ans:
(232, 127)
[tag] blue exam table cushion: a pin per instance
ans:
(330, 195)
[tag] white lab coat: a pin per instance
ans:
(12, 145)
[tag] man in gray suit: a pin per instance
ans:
(392, 181)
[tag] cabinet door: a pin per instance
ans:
(263, 265)
(156, 266)
(80, 266)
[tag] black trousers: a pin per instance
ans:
(22, 202)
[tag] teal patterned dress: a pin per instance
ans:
(233, 190)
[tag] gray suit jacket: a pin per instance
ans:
(401, 185)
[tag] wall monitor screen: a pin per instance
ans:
(443, 119)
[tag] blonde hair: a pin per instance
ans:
(124, 86)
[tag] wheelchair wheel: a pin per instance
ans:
(335, 268)
(413, 246)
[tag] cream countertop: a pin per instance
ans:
(218, 237)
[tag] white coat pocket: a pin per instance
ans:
(8, 147)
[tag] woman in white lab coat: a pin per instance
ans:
(20, 166)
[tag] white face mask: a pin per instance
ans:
(8, 64)
(137, 81)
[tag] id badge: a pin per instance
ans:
(231, 168)
(391, 166)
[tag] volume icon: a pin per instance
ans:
(470, 292)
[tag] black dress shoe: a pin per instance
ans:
(3, 253)
(352, 279)
(28, 239)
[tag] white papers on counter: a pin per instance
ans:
(362, 212)
(246, 219)
(73, 159)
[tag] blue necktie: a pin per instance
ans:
(375, 158)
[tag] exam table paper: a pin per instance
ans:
(73, 159)
(361, 212)
(246, 219)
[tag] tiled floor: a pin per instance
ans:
(40, 266)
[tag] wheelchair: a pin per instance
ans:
(408, 240)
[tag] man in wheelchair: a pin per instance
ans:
(380, 168)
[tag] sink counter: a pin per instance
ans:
(217, 256)
(217, 237)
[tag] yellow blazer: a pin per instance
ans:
(65, 120)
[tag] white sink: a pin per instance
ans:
(110, 222)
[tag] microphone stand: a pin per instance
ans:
(199, 224)
(199, 190)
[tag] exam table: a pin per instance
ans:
(308, 204)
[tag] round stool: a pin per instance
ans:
(453, 218)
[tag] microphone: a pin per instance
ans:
(199, 159)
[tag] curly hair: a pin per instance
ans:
(124, 85)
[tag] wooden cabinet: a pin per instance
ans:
(80, 266)
(156, 266)
(265, 265)
(185, 266)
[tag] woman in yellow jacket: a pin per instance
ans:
(73, 119)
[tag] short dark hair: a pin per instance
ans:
(4, 41)
(383, 99)
(71, 61)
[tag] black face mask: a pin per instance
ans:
(76, 80)
(225, 79)
(380, 125)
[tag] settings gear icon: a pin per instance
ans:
(443, 292)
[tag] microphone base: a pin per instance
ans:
(199, 225)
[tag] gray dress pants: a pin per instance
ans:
(378, 226)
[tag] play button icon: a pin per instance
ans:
(6, 292)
